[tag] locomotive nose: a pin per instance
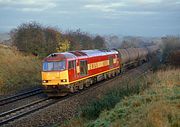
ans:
(50, 75)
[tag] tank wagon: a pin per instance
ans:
(132, 57)
(71, 71)
(152, 49)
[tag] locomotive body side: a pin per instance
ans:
(82, 68)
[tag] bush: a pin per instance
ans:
(36, 39)
(40, 41)
(82, 40)
(171, 47)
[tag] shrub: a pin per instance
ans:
(35, 39)
(171, 45)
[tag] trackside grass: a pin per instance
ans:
(17, 71)
(153, 102)
(111, 98)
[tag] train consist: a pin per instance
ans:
(71, 71)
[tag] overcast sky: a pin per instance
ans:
(121, 17)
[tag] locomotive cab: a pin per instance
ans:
(55, 73)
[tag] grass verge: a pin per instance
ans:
(17, 71)
(157, 106)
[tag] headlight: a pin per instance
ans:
(63, 80)
(44, 81)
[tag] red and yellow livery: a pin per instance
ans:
(70, 71)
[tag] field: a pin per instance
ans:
(156, 106)
(17, 71)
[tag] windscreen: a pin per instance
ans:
(54, 66)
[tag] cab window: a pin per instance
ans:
(71, 64)
(83, 67)
(54, 66)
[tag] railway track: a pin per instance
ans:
(20, 96)
(16, 113)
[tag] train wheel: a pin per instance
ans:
(105, 76)
(117, 72)
(95, 80)
(109, 75)
(81, 87)
(87, 85)
(113, 74)
(72, 89)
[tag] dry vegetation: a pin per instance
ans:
(17, 71)
(157, 106)
(171, 50)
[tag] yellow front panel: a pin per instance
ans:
(64, 75)
(50, 75)
(54, 78)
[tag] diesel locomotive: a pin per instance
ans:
(71, 71)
